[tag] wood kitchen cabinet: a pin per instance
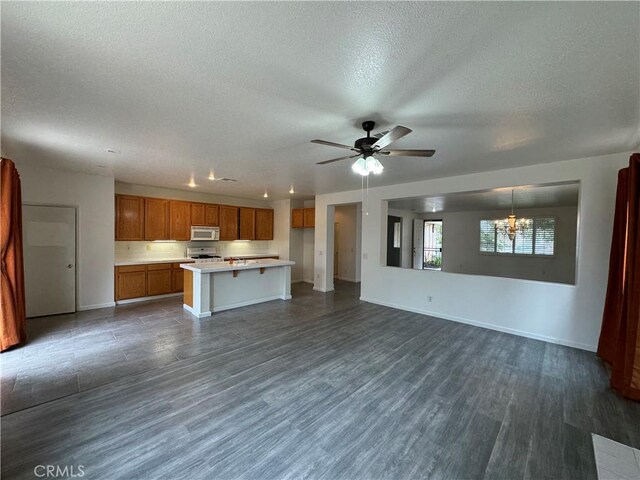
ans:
(247, 223)
(228, 222)
(159, 279)
(136, 281)
(309, 217)
(130, 282)
(303, 218)
(297, 218)
(177, 278)
(129, 217)
(264, 224)
(211, 215)
(197, 214)
(156, 219)
(180, 220)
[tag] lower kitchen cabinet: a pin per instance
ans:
(137, 281)
(177, 278)
(131, 282)
(159, 279)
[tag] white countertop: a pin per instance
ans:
(154, 260)
(214, 267)
(250, 255)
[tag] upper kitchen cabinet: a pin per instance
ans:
(309, 217)
(264, 224)
(228, 222)
(197, 214)
(211, 215)
(156, 219)
(247, 223)
(129, 217)
(297, 218)
(180, 220)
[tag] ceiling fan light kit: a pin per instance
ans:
(367, 147)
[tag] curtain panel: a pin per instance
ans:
(619, 342)
(12, 308)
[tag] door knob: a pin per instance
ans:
(70, 265)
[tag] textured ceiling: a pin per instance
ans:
(181, 88)
(525, 196)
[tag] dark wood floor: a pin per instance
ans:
(322, 386)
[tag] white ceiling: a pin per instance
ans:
(524, 196)
(180, 88)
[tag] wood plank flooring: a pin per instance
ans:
(323, 386)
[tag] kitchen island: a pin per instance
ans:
(217, 286)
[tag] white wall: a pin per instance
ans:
(281, 243)
(461, 246)
(296, 247)
(347, 217)
(93, 197)
(308, 247)
(191, 196)
(566, 314)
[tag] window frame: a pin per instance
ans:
(533, 240)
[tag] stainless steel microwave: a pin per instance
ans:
(205, 234)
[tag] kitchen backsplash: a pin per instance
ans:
(126, 251)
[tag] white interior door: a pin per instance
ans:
(418, 244)
(49, 259)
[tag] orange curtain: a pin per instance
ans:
(619, 342)
(12, 308)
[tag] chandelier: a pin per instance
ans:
(511, 225)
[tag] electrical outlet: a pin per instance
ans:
(429, 299)
(148, 248)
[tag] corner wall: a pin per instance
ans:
(564, 314)
(93, 196)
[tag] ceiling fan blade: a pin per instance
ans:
(395, 134)
(332, 144)
(380, 134)
(338, 159)
(408, 153)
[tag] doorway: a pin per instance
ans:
(394, 241)
(49, 259)
(432, 245)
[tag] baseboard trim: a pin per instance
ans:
(192, 312)
(146, 299)
(323, 290)
(489, 326)
(95, 306)
(345, 279)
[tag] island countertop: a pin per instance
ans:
(213, 267)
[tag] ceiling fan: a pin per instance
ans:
(367, 147)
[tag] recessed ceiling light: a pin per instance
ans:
(111, 150)
(291, 190)
(266, 195)
(192, 183)
(211, 175)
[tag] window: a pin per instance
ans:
(536, 239)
